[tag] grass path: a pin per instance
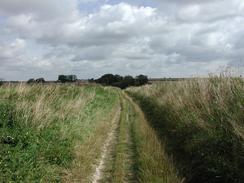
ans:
(133, 153)
(105, 149)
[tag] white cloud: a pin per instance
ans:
(177, 38)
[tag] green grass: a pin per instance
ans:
(138, 155)
(124, 165)
(43, 127)
(152, 164)
(193, 130)
(201, 123)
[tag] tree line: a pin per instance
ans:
(120, 81)
(106, 80)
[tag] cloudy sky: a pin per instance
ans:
(159, 38)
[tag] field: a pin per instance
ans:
(172, 131)
(201, 122)
(68, 133)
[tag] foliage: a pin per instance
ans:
(122, 82)
(31, 81)
(40, 80)
(67, 78)
(141, 80)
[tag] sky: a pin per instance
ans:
(88, 38)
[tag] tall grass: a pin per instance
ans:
(46, 131)
(152, 162)
(202, 123)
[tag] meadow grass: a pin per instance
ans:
(201, 123)
(152, 163)
(139, 156)
(47, 131)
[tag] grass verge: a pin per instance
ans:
(46, 131)
(201, 123)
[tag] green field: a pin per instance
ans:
(168, 132)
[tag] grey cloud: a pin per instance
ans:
(173, 39)
(44, 9)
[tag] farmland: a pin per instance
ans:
(171, 131)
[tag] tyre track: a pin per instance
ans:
(98, 175)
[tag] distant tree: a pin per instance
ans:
(107, 79)
(122, 82)
(118, 78)
(31, 81)
(71, 78)
(91, 80)
(129, 81)
(40, 80)
(62, 78)
(141, 80)
(1, 82)
(67, 78)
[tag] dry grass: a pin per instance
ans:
(154, 165)
(202, 122)
(66, 126)
(201, 97)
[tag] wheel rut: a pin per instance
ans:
(100, 168)
(117, 160)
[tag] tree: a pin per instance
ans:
(62, 78)
(118, 78)
(1, 82)
(121, 82)
(31, 81)
(91, 80)
(129, 81)
(107, 79)
(67, 78)
(141, 80)
(40, 80)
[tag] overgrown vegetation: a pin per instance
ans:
(201, 121)
(56, 133)
(46, 131)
